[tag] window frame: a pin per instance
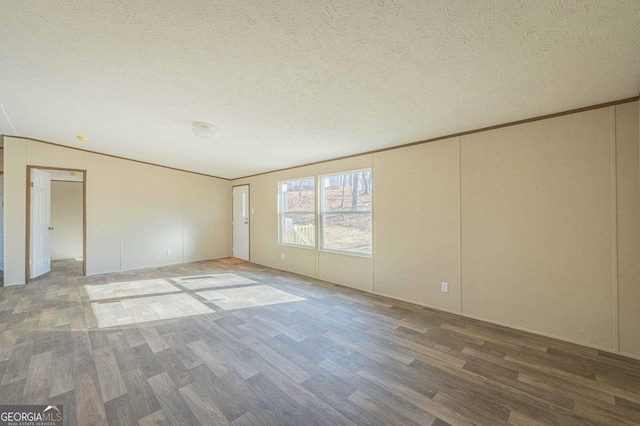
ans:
(282, 213)
(322, 215)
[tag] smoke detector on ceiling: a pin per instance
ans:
(205, 130)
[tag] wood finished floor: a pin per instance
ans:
(333, 356)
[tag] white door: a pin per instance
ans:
(241, 222)
(1, 223)
(40, 256)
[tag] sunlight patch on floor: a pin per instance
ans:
(213, 280)
(248, 297)
(217, 280)
(145, 309)
(180, 280)
(129, 288)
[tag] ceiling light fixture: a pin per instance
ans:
(82, 138)
(205, 130)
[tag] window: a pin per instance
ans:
(345, 212)
(297, 209)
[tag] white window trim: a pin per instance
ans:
(281, 213)
(322, 213)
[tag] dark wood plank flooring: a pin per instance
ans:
(336, 357)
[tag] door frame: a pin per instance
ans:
(27, 272)
(248, 185)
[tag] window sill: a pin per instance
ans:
(348, 253)
(297, 246)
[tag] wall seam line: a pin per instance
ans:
(121, 208)
(614, 224)
(182, 212)
(460, 218)
(317, 221)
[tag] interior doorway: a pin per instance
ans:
(241, 222)
(56, 218)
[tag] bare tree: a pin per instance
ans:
(366, 178)
(354, 191)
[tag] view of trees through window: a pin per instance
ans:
(346, 212)
(297, 212)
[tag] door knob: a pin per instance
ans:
(51, 228)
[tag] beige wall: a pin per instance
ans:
(1, 208)
(628, 226)
(104, 217)
(537, 226)
(416, 223)
(206, 207)
(2, 222)
(151, 215)
(534, 226)
(15, 156)
(66, 220)
(135, 212)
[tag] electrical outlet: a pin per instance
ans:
(168, 252)
(282, 256)
(444, 287)
(253, 211)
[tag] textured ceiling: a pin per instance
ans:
(297, 81)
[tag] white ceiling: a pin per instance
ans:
(292, 82)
